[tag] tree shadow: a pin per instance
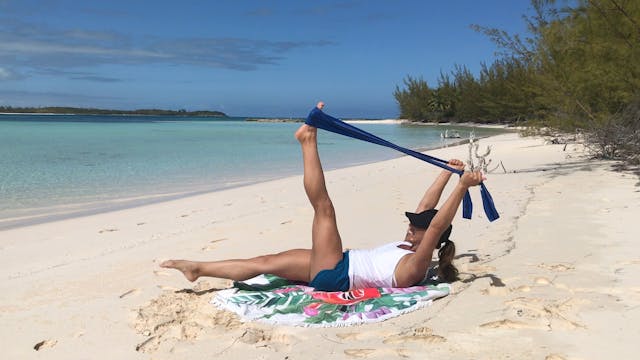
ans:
(629, 169)
(582, 165)
(560, 169)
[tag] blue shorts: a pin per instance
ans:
(333, 280)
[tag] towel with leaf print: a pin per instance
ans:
(272, 299)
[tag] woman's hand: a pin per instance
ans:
(469, 179)
(456, 164)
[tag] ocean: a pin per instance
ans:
(56, 166)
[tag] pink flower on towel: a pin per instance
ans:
(312, 309)
(347, 297)
(374, 314)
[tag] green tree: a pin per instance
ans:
(414, 99)
(576, 69)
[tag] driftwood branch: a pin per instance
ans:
(476, 161)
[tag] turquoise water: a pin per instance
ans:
(60, 165)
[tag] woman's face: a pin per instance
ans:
(414, 235)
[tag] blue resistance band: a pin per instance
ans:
(320, 120)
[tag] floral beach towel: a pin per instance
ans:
(275, 300)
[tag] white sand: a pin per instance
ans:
(557, 277)
(382, 121)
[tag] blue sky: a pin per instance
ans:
(246, 58)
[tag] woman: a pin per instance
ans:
(325, 266)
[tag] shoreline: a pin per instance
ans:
(558, 269)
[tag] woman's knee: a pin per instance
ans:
(264, 263)
(324, 207)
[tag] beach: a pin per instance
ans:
(556, 277)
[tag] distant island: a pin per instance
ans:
(90, 111)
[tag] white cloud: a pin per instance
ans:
(7, 74)
(40, 46)
(44, 48)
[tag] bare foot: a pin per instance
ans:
(306, 133)
(188, 268)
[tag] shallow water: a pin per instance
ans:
(59, 164)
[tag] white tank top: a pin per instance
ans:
(375, 267)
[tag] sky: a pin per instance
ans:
(245, 58)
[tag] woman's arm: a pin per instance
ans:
(432, 195)
(412, 267)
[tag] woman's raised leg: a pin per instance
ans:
(297, 264)
(326, 249)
